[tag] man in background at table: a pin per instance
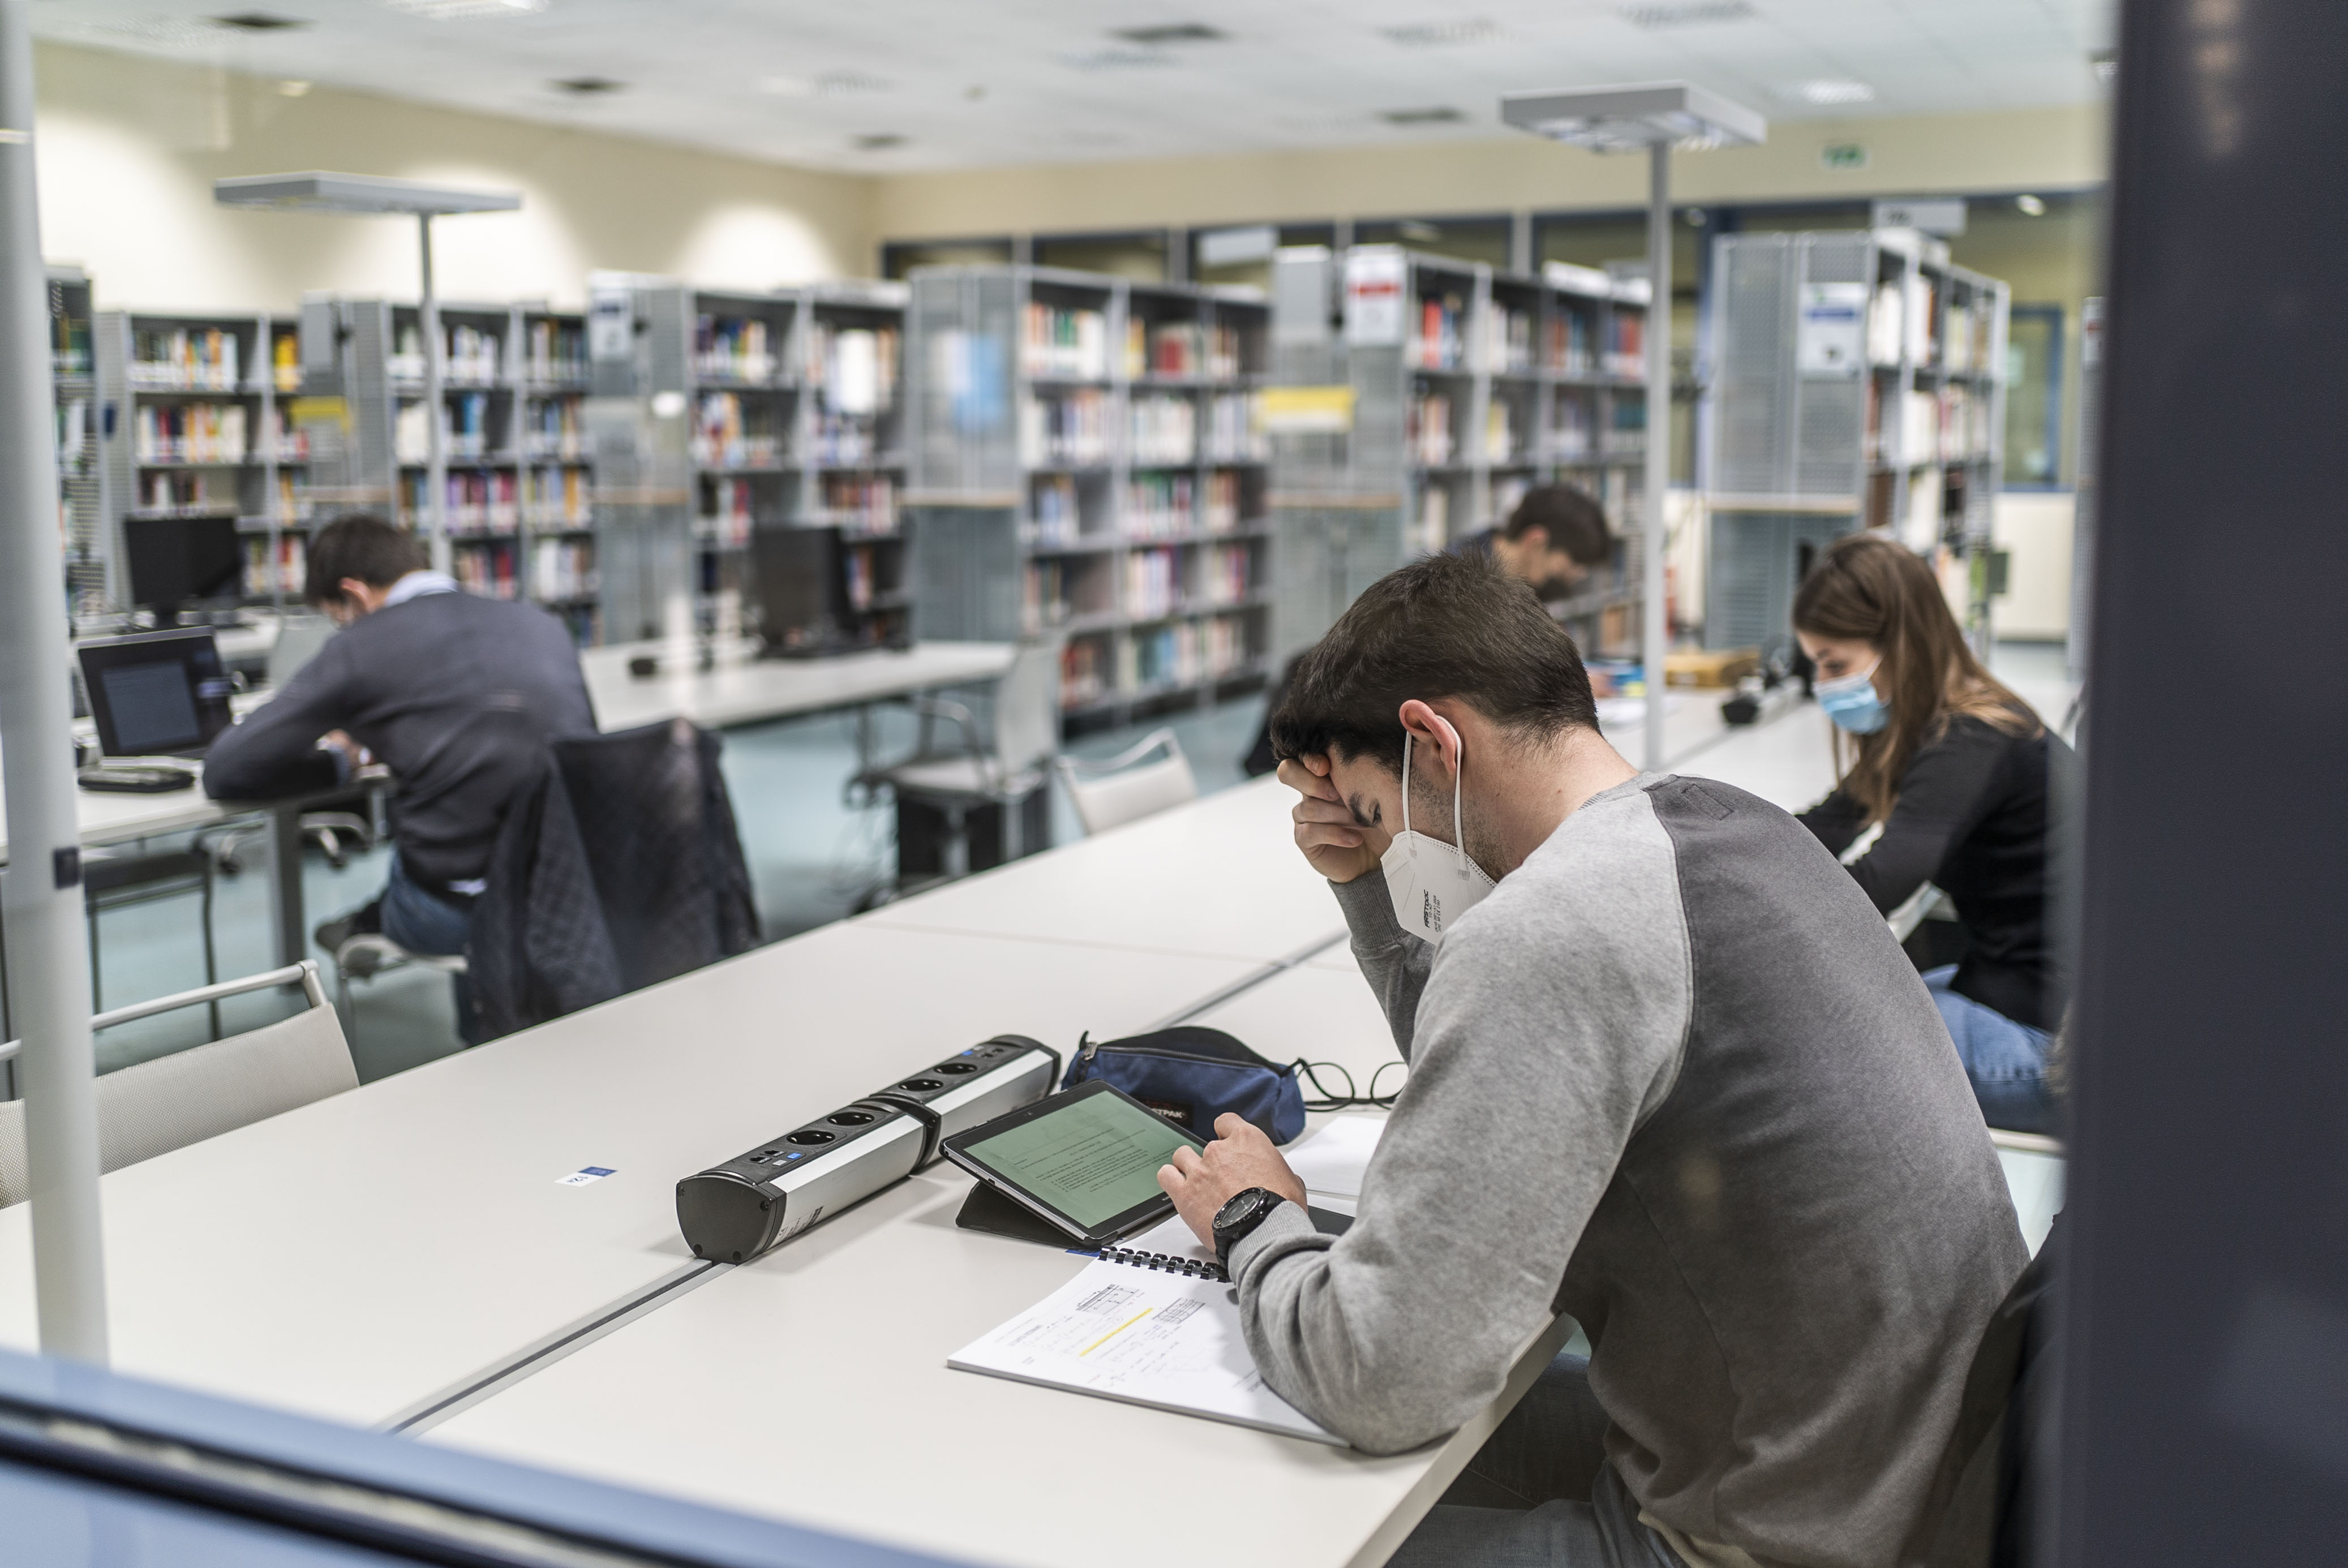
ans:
(1669, 1075)
(1554, 540)
(458, 695)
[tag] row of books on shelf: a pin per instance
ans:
(1951, 424)
(730, 509)
(1442, 341)
(1158, 506)
(470, 356)
(465, 432)
(183, 358)
(555, 428)
(855, 367)
(555, 351)
(560, 569)
(501, 500)
(1074, 428)
(266, 575)
(859, 504)
(187, 492)
(727, 436)
(734, 348)
(1062, 341)
(1959, 340)
(486, 570)
(207, 433)
(850, 440)
(1182, 349)
(68, 342)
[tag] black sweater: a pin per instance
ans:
(457, 694)
(1975, 817)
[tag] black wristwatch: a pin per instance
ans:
(1238, 1218)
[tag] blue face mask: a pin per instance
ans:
(1851, 703)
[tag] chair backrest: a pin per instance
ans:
(1125, 788)
(1028, 708)
(299, 638)
(158, 1106)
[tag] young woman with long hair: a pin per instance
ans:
(1954, 767)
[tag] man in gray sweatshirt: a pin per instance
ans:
(1670, 1075)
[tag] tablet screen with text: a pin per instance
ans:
(1088, 1156)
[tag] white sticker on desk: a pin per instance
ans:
(581, 1177)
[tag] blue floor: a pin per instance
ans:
(811, 855)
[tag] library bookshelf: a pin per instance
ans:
(191, 419)
(1429, 395)
(726, 413)
(1858, 384)
(520, 505)
(1087, 465)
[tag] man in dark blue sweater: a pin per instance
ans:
(459, 696)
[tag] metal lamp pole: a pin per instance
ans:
(1652, 118)
(48, 952)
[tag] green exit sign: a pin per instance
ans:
(1843, 155)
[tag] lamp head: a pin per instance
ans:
(1634, 119)
(355, 193)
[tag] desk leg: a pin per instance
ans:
(286, 910)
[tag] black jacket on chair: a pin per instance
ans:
(620, 868)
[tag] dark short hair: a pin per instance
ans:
(1571, 518)
(363, 547)
(1443, 627)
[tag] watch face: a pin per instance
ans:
(1243, 1207)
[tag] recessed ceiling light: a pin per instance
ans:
(587, 86)
(292, 87)
(1116, 59)
(878, 141)
(1438, 34)
(2031, 206)
(1433, 115)
(259, 22)
(1686, 13)
(1171, 33)
(465, 10)
(1835, 89)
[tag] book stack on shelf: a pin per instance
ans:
(855, 439)
(1461, 387)
(1097, 440)
(198, 434)
(519, 497)
(1856, 387)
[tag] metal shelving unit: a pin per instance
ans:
(80, 500)
(1859, 385)
(1424, 396)
(190, 425)
(1086, 464)
(852, 435)
(521, 508)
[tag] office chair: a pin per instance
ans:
(1121, 789)
(998, 763)
(156, 1106)
(114, 878)
(370, 953)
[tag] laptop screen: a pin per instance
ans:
(158, 694)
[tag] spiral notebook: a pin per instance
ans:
(1146, 1329)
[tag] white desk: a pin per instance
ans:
(1220, 876)
(812, 1386)
(740, 689)
(357, 1256)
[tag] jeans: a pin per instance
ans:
(1539, 1493)
(424, 922)
(2007, 1061)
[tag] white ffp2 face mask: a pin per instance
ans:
(1431, 883)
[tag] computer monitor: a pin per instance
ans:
(158, 694)
(795, 573)
(175, 562)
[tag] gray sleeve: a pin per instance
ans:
(1393, 961)
(1549, 1030)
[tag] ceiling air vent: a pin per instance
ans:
(259, 22)
(1442, 34)
(587, 86)
(1158, 37)
(1440, 114)
(878, 141)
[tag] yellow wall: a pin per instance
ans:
(2051, 148)
(129, 149)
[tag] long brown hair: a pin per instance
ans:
(1868, 589)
